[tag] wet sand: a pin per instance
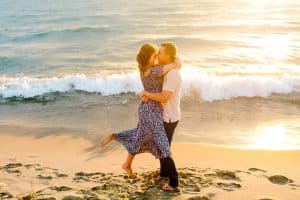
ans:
(66, 167)
(236, 122)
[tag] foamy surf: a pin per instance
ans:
(205, 86)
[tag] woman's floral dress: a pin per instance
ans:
(149, 135)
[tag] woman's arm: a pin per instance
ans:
(163, 69)
(168, 67)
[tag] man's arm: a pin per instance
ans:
(170, 84)
(161, 97)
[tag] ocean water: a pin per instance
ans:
(62, 61)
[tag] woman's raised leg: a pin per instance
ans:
(107, 140)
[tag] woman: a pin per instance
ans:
(149, 135)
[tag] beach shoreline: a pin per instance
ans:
(81, 165)
(70, 74)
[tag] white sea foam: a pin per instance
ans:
(211, 87)
(206, 86)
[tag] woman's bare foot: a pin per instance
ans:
(107, 140)
(128, 170)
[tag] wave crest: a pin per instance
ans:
(207, 87)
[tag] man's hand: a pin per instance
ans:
(178, 63)
(143, 96)
(144, 99)
(161, 97)
(142, 93)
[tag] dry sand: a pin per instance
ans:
(66, 167)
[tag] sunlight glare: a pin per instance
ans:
(274, 47)
(273, 138)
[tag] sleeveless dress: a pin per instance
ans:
(149, 135)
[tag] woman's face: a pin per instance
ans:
(152, 60)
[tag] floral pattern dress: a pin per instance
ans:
(149, 135)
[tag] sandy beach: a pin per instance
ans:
(66, 167)
(70, 74)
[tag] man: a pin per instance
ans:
(170, 99)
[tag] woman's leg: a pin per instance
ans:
(128, 139)
(107, 139)
(127, 165)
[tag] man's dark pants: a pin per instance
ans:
(167, 165)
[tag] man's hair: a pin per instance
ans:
(171, 49)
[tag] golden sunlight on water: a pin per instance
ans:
(273, 138)
(268, 2)
(276, 47)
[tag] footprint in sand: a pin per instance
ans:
(93, 176)
(60, 188)
(5, 195)
(227, 175)
(12, 165)
(40, 176)
(280, 180)
(13, 171)
(265, 199)
(198, 198)
(210, 175)
(72, 197)
(100, 187)
(32, 165)
(229, 186)
(89, 174)
(11, 168)
(60, 175)
(253, 169)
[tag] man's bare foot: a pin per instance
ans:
(107, 140)
(168, 188)
(128, 170)
(161, 178)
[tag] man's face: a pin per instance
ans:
(163, 57)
